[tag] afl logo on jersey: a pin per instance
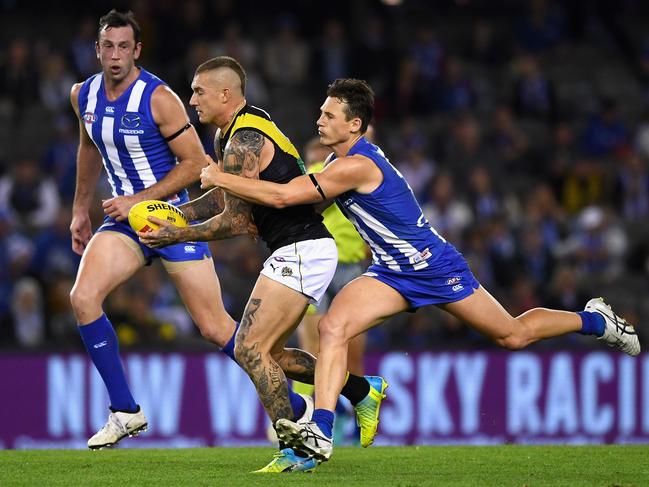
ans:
(89, 117)
(131, 121)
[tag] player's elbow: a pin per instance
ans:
(284, 199)
(280, 202)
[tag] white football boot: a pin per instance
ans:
(618, 333)
(119, 425)
(306, 438)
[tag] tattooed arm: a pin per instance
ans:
(210, 204)
(241, 157)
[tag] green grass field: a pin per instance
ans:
(394, 466)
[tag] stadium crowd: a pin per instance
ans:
(522, 128)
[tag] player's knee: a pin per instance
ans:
(331, 329)
(82, 298)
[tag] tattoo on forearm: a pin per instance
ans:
(266, 374)
(208, 205)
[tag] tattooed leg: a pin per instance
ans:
(265, 373)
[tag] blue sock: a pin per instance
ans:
(228, 348)
(102, 345)
(592, 323)
(325, 420)
(298, 404)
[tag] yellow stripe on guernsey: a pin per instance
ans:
(351, 247)
(268, 128)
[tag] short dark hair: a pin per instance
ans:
(120, 19)
(357, 95)
(225, 62)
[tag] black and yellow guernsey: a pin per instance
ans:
(277, 227)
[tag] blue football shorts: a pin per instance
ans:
(181, 252)
(447, 279)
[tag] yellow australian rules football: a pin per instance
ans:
(139, 213)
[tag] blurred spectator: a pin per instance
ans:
(582, 186)
(543, 212)
(82, 48)
(632, 187)
(412, 160)
(332, 53)
(509, 143)
(485, 201)
(53, 255)
(463, 147)
(417, 169)
(486, 46)
(55, 82)
(503, 251)
(534, 94)
(60, 160)
(536, 260)
(445, 211)
(598, 245)
(234, 44)
(287, 56)
(564, 291)
(427, 56)
(61, 320)
(18, 78)
(560, 156)
(29, 197)
(455, 92)
(542, 28)
(15, 253)
(27, 313)
(605, 132)
(135, 323)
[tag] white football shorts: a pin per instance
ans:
(306, 266)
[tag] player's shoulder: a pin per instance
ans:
(166, 104)
(74, 95)
(164, 94)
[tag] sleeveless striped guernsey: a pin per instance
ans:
(134, 152)
(389, 219)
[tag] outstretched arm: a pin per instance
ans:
(242, 157)
(347, 173)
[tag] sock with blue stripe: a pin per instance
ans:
(325, 420)
(592, 323)
(298, 404)
(103, 347)
(228, 348)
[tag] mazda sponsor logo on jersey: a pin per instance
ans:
(130, 124)
(89, 117)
